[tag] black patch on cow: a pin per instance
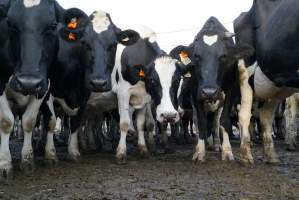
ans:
(117, 77)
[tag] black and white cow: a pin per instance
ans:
(214, 73)
(277, 57)
(143, 74)
(86, 47)
(33, 39)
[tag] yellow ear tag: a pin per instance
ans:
(141, 73)
(72, 37)
(184, 56)
(73, 23)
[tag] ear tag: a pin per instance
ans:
(188, 75)
(141, 73)
(73, 23)
(72, 37)
(184, 58)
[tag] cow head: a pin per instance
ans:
(213, 54)
(100, 48)
(32, 25)
(160, 76)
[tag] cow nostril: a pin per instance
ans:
(209, 92)
(98, 83)
(29, 83)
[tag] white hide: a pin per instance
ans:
(31, 3)
(165, 67)
(265, 89)
(100, 21)
(210, 40)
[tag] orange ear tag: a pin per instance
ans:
(72, 37)
(141, 73)
(73, 24)
(184, 58)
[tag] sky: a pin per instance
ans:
(175, 21)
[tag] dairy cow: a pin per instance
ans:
(276, 55)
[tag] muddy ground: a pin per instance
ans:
(171, 176)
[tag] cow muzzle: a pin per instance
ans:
(209, 94)
(99, 85)
(29, 85)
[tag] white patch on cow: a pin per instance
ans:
(165, 68)
(245, 112)
(210, 40)
(265, 89)
(6, 126)
(73, 146)
(69, 111)
(58, 126)
(31, 3)
(100, 21)
(200, 151)
(290, 116)
(227, 153)
(28, 123)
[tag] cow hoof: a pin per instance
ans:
(198, 157)
(143, 151)
(75, 156)
(121, 158)
(51, 163)
(152, 148)
(27, 166)
(6, 174)
(245, 155)
(227, 155)
(217, 148)
(271, 159)
(291, 147)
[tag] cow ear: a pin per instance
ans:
(241, 51)
(182, 53)
(74, 24)
(127, 37)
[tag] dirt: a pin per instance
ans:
(171, 176)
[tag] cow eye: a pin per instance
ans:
(223, 58)
(51, 27)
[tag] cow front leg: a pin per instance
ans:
(290, 116)
(140, 119)
(266, 117)
(50, 119)
(245, 113)
(125, 120)
(150, 127)
(200, 150)
(73, 147)
(6, 126)
(227, 153)
(28, 124)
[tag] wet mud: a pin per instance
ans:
(171, 176)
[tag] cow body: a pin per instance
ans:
(276, 55)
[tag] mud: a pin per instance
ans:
(171, 176)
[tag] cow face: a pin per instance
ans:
(160, 76)
(213, 54)
(102, 48)
(32, 25)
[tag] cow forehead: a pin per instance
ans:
(165, 67)
(100, 21)
(31, 3)
(210, 40)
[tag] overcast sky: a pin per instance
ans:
(175, 21)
